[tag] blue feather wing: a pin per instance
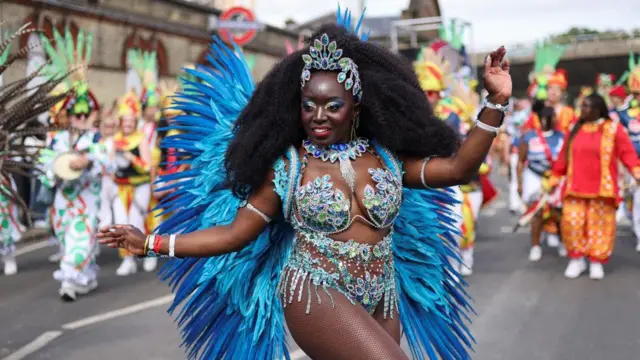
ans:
(227, 306)
(433, 305)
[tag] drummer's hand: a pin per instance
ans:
(79, 163)
(128, 155)
(127, 237)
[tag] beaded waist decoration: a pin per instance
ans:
(363, 273)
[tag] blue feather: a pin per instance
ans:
(228, 304)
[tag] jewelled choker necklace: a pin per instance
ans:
(343, 153)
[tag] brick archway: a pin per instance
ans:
(153, 43)
(47, 25)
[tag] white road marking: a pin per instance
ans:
(298, 354)
(499, 204)
(37, 344)
(32, 247)
(491, 212)
(118, 313)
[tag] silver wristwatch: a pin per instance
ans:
(499, 107)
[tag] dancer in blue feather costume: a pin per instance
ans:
(290, 214)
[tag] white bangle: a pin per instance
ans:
(424, 165)
(172, 245)
(486, 127)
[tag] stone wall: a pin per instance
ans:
(112, 37)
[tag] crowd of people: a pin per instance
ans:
(98, 165)
(573, 170)
(301, 196)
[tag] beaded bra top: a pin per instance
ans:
(322, 209)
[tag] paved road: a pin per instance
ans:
(525, 311)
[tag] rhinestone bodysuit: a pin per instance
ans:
(363, 273)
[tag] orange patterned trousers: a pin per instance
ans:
(588, 227)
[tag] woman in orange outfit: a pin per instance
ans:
(589, 160)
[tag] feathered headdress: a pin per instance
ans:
(69, 57)
(466, 100)
(145, 63)
(20, 106)
(544, 71)
(129, 105)
(432, 70)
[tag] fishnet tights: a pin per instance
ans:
(345, 331)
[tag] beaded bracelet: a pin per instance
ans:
(424, 165)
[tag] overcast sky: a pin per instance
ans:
(495, 21)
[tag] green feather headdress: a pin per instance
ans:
(145, 63)
(547, 57)
(454, 35)
(67, 58)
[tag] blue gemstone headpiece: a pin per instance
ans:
(325, 55)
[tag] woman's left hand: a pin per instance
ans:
(497, 80)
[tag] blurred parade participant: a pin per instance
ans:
(629, 113)
(604, 84)
(58, 118)
(108, 128)
(589, 160)
(549, 84)
(133, 163)
(538, 150)
(145, 64)
(435, 77)
(78, 180)
(521, 112)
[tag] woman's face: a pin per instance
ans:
(78, 121)
(62, 120)
(555, 93)
(587, 112)
(327, 110)
(128, 124)
(108, 127)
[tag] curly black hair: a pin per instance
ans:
(394, 111)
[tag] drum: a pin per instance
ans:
(121, 161)
(62, 166)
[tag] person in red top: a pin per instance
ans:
(589, 160)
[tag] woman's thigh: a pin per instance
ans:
(337, 329)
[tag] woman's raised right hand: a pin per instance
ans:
(127, 237)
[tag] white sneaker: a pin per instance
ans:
(149, 264)
(466, 271)
(575, 268)
(10, 265)
(553, 240)
(127, 267)
(535, 254)
(466, 268)
(562, 250)
(596, 271)
(40, 224)
(54, 258)
(70, 291)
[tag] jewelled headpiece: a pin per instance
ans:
(325, 55)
